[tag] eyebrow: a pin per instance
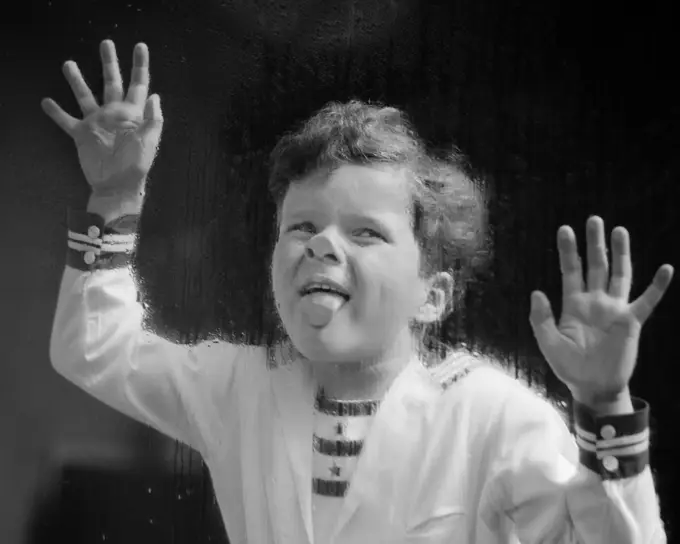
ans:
(377, 220)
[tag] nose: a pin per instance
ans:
(322, 248)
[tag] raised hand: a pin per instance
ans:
(118, 140)
(594, 348)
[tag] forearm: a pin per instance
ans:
(98, 341)
(599, 491)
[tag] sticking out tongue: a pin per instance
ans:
(319, 308)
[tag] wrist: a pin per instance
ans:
(605, 404)
(111, 206)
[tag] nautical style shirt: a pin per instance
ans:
(459, 452)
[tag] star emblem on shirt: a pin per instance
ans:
(335, 470)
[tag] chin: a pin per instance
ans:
(321, 352)
(325, 346)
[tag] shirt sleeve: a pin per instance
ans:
(98, 342)
(592, 488)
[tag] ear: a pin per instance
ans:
(439, 290)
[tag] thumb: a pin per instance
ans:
(541, 318)
(153, 119)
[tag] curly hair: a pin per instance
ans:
(449, 214)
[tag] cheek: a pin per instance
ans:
(391, 283)
(286, 257)
(281, 266)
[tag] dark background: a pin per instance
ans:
(568, 109)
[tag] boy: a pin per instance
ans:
(352, 431)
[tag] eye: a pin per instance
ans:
(371, 233)
(305, 226)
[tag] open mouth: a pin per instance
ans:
(324, 289)
(307, 292)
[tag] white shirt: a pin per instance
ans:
(483, 461)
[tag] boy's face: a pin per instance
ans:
(352, 228)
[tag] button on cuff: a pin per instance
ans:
(610, 463)
(93, 232)
(608, 432)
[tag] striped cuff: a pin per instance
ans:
(95, 246)
(615, 446)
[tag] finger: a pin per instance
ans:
(643, 307)
(80, 89)
(139, 82)
(598, 264)
(622, 269)
(152, 109)
(153, 120)
(113, 82)
(59, 116)
(542, 320)
(570, 262)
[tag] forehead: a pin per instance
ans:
(352, 189)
